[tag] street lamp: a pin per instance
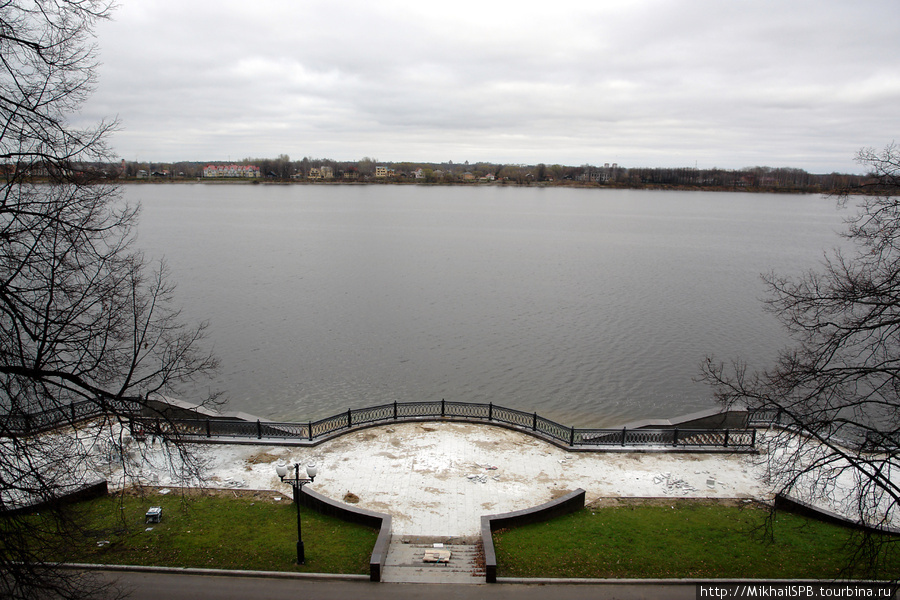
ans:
(297, 482)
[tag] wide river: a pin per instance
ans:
(590, 307)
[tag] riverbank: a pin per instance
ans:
(438, 479)
(545, 184)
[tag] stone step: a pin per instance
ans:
(404, 563)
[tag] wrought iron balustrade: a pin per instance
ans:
(351, 419)
(200, 429)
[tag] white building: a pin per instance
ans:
(231, 171)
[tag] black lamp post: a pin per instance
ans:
(297, 482)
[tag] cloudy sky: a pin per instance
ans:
(727, 83)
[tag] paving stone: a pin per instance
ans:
(405, 564)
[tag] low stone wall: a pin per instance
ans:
(172, 408)
(351, 514)
(712, 418)
(88, 491)
(569, 503)
(784, 502)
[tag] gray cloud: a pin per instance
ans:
(642, 83)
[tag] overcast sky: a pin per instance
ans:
(724, 83)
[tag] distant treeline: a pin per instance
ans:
(606, 175)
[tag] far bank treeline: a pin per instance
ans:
(607, 175)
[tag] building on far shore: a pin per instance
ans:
(250, 171)
(321, 173)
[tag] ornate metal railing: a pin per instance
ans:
(764, 417)
(532, 423)
(68, 414)
(315, 431)
(850, 435)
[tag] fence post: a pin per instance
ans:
(258, 430)
(675, 437)
(349, 419)
(490, 411)
(572, 436)
(208, 432)
(726, 438)
(623, 436)
(753, 437)
(534, 422)
(309, 429)
(72, 406)
(395, 410)
(443, 413)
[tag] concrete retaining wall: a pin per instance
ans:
(713, 418)
(569, 503)
(158, 405)
(88, 491)
(784, 502)
(351, 514)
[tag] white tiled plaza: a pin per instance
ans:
(438, 479)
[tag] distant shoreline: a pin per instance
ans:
(552, 184)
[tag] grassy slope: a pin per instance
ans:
(677, 540)
(252, 531)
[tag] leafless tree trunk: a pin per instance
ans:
(836, 391)
(83, 318)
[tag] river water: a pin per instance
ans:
(590, 307)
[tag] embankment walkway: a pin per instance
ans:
(438, 479)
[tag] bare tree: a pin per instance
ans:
(836, 391)
(83, 317)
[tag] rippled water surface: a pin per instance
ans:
(591, 307)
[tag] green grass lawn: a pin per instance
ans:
(223, 531)
(679, 539)
(622, 539)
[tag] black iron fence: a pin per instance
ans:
(757, 417)
(69, 414)
(316, 431)
(854, 436)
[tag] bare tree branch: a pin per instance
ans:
(83, 317)
(836, 390)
